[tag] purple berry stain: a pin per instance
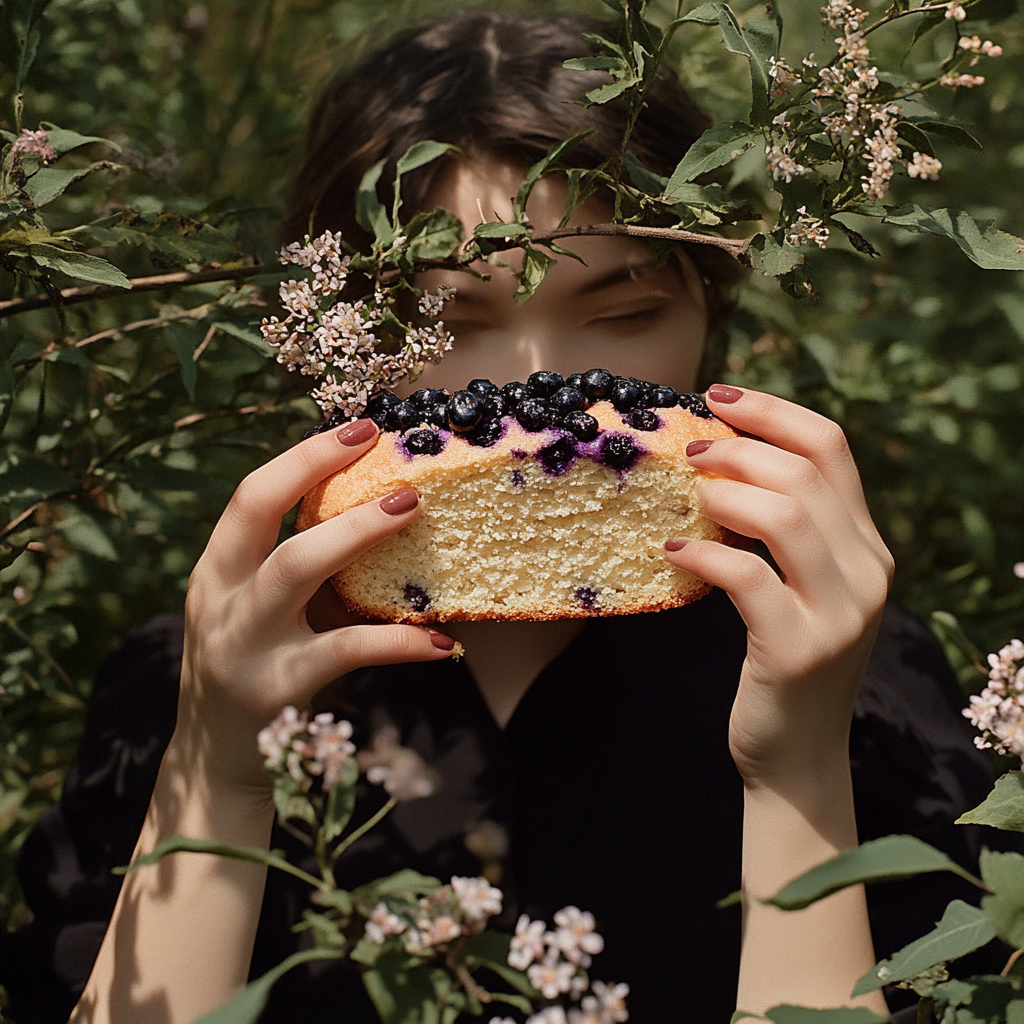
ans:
(557, 458)
(619, 452)
(587, 597)
(422, 442)
(417, 597)
(518, 479)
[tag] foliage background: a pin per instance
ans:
(128, 447)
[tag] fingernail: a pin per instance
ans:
(356, 433)
(397, 502)
(696, 447)
(676, 544)
(441, 642)
(723, 393)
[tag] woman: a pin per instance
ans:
(608, 750)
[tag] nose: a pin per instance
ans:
(534, 350)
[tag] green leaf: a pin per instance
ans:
(880, 860)
(49, 182)
(248, 1004)
(1004, 875)
(252, 854)
(34, 480)
(179, 238)
(420, 154)
(981, 999)
(596, 64)
(1002, 808)
(500, 229)
(608, 92)
(962, 930)
(772, 258)
(752, 44)
(490, 949)
(405, 991)
(536, 265)
(183, 340)
(85, 534)
(77, 264)
(717, 146)
(249, 336)
(341, 801)
(643, 179)
(7, 346)
(785, 1014)
(370, 213)
(434, 234)
(950, 133)
(291, 802)
(63, 140)
(990, 248)
(405, 885)
(914, 137)
(534, 173)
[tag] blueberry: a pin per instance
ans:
(417, 597)
(695, 404)
(427, 398)
(567, 399)
(620, 451)
(642, 419)
(533, 414)
(313, 431)
(515, 391)
(663, 397)
(582, 424)
(465, 410)
(437, 415)
(597, 384)
(335, 420)
(587, 596)
(574, 380)
(496, 405)
(489, 432)
(402, 416)
(377, 407)
(624, 394)
(558, 457)
(543, 383)
(424, 442)
(482, 386)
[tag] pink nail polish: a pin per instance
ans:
(677, 544)
(356, 433)
(441, 642)
(397, 502)
(724, 394)
(697, 447)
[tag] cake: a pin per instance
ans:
(549, 499)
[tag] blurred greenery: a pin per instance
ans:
(127, 447)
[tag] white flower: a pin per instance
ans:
(527, 943)
(575, 934)
(807, 230)
(955, 81)
(1018, 570)
(402, 772)
(382, 923)
(924, 167)
(612, 1001)
(304, 749)
(34, 143)
(478, 899)
(438, 930)
(552, 977)
(501, 1020)
(433, 304)
(998, 711)
(549, 1015)
(955, 11)
(781, 74)
(782, 165)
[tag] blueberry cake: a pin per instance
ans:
(549, 499)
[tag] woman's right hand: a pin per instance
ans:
(249, 650)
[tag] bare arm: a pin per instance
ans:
(810, 629)
(181, 936)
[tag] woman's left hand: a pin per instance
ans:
(810, 626)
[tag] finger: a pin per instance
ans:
(797, 430)
(293, 572)
(248, 529)
(784, 523)
(753, 586)
(326, 656)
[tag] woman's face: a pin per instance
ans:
(618, 311)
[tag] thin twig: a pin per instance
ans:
(1014, 956)
(733, 246)
(42, 652)
(16, 522)
(362, 830)
(198, 417)
(89, 293)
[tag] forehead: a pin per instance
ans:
(482, 188)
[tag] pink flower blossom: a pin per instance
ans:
(527, 943)
(478, 899)
(34, 143)
(924, 167)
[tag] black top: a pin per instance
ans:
(613, 780)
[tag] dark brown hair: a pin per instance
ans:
(493, 84)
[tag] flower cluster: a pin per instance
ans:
(34, 144)
(998, 712)
(338, 342)
(400, 770)
(296, 746)
(462, 908)
(807, 230)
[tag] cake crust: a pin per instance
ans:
(530, 497)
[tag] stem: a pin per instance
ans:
(42, 652)
(1014, 956)
(89, 293)
(363, 829)
(926, 1010)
